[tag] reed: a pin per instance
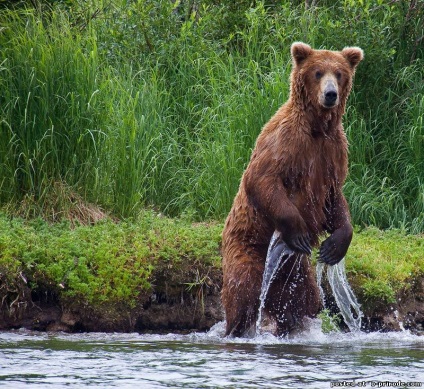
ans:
(48, 107)
(138, 105)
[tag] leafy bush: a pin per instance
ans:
(117, 264)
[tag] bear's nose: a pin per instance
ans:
(330, 96)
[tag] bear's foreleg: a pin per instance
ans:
(275, 205)
(335, 247)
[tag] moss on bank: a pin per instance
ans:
(384, 264)
(107, 263)
(119, 267)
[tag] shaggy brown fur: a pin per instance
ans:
(293, 184)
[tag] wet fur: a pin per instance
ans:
(292, 184)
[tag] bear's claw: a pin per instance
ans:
(334, 248)
(301, 243)
(328, 253)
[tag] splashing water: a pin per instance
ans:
(343, 294)
(311, 360)
(273, 264)
(279, 253)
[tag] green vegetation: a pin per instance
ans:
(329, 323)
(383, 264)
(108, 263)
(118, 263)
(110, 108)
(155, 103)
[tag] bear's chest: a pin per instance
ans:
(311, 173)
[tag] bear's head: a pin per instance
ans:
(322, 78)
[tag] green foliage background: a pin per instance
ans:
(158, 103)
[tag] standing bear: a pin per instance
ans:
(292, 185)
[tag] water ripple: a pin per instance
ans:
(308, 360)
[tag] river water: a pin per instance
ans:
(308, 360)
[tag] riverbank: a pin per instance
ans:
(157, 274)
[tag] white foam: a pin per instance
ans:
(312, 335)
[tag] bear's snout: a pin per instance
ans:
(329, 94)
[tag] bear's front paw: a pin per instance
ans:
(334, 248)
(300, 243)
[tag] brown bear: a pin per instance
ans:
(292, 185)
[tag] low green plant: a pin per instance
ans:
(198, 287)
(114, 263)
(329, 323)
(106, 263)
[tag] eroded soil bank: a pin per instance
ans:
(177, 306)
(159, 274)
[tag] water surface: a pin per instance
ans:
(308, 360)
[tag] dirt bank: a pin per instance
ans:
(174, 305)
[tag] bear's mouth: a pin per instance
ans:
(329, 105)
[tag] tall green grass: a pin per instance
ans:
(147, 105)
(49, 113)
(385, 186)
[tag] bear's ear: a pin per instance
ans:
(299, 52)
(354, 55)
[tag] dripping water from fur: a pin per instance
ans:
(342, 292)
(273, 264)
(277, 256)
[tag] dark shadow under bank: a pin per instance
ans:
(177, 307)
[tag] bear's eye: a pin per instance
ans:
(338, 75)
(318, 74)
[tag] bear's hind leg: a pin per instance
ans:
(294, 295)
(240, 294)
